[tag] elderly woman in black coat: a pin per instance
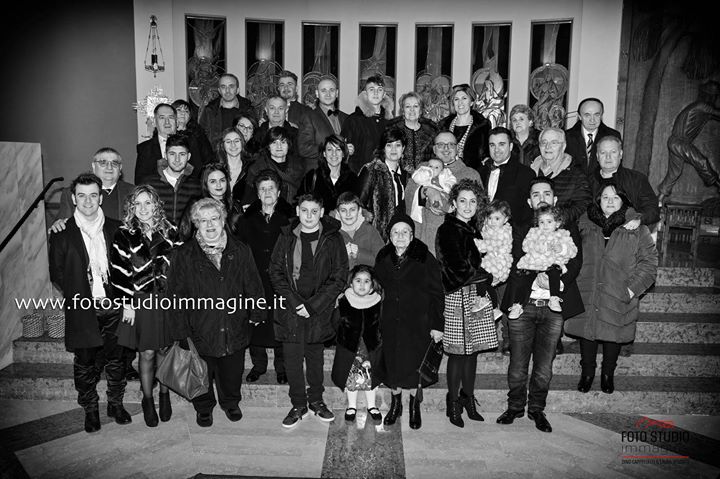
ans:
(412, 311)
(469, 297)
(213, 266)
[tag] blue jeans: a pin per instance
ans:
(535, 333)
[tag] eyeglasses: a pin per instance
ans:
(443, 146)
(106, 163)
(553, 143)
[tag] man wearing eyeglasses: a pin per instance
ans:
(572, 189)
(106, 165)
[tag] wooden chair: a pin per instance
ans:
(681, 216)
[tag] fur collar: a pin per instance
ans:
(417, 250)
(282, 207)
(564, 163)
(367, 109)
(610, 223)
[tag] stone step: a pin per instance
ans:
(644, 359)
(680, 299)
(634, 394)
(676, 276)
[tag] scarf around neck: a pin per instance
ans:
(94, 238)
(609, 223)
(213, 252)
(362, 302)
(461, 142)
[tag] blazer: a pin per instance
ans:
(69, 264)
(148, 154)
(576, 145)
(312, 131)
(112, 204)
(513, 187)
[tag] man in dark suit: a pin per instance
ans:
(152, 150)
(79, 268)
(276, 111)
(582, 138)
(106, 165)
(320, 122)
(506, 179)
(287, 88)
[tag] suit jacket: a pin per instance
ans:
(576, 146)
(112, 204)
(69, 264)
(296, 113)
(513, 187)
(313, 130)
(148, 154)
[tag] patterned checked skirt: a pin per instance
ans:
(467, 332)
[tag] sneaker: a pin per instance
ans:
(294, 416)
(480, 303)
(554, 304)
(497, 314)
(322, 411)
(515, 311)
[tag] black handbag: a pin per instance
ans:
(429, 367)
(183, 371)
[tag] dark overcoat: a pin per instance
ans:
(220, 330)
(69, 264)
(628, 260)
(353, 325)
(413, 305)
(331, 269)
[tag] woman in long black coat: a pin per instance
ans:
(412, 311)
(259, 228)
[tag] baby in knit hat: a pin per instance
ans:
(438, 180)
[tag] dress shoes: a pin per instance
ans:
(585, 383)
(119, 413)
(92, 420)
(281, 378)
(253, 376)
(234, 414)
(541, 421)
(508, 417)
(204, 419)
(607, 383)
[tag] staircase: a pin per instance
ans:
(674, 366)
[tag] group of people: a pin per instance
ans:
(378, 235)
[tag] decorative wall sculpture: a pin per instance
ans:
(321, 46)
(206, 58)
(433, 68)
(549, 64)
(378, 53)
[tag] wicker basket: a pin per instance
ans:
(56, 324)
(33, 325)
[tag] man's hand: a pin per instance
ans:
(302, 311)
(632, 224)
(58, 226)
(436, 335)
(351, 149)
(128, 316)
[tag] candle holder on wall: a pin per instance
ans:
(154, 58)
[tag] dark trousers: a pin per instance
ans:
(535, 333)
(225, 374)
(86, 371)
(526, 280)
(312, 354)
(259, 358)
(588, 353)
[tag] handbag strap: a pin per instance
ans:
(192, 347)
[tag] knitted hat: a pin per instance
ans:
(400, 217)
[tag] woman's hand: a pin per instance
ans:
(128, 316)
(632, 225)
(436, 335)
(302, 311)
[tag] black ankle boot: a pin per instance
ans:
(165, 407)
(585, 383)
(456, 409)
(415, 416)
(607, 383)
(448, 402)
(469, 403)
(92, 420)
(395, 410)
(148, 407)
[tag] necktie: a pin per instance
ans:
(494, 167)
(588, 147)
(332, 112)
(107, 191)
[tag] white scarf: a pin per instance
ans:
(92, 234)
(362, 302)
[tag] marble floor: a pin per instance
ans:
(45, 439)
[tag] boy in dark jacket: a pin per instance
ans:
(308, 268)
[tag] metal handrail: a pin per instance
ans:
(29, 211)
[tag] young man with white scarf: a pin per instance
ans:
(79, 269)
